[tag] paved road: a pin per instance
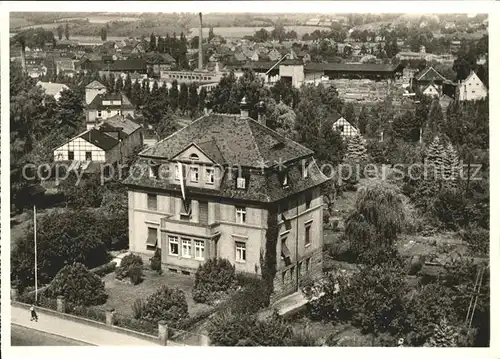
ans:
(74, 330)
(21, 336)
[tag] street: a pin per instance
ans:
(22, 336)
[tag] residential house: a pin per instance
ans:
(92, 90)
(211, 189)
(472, 88)
(428, 76)
(344, 127)
(107, 105)
(432, 91)
(109, 143)
(254, 56)
(274, 55)
(53, 89)
(65, 67)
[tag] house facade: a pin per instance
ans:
(213, 189)
(105, 105)
(344, 127)
(472, 88)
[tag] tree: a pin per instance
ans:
(152, 42)
(183, 97)
(451, 167)
(193, 103)
(362, 120)
(66, 32)
(63, 238)
(104, 33)
(406, 127)
(69, 112)
(348, 113)
(173, 95)
(374, 224)
(372, 299)
(167, 125)
(356, 150)
(282, 120)
(211, 34)
(127, 87)
(60, 32)
(283, 91)
(166, 304)
(202, 98)
(444, 335)
(78, 286)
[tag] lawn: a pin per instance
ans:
(123, 294)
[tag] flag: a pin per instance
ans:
(181, 175)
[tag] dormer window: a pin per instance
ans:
(177, 172)
(305, 171)
(284, 179)
(153, 170)
(210, 175)
(241, 183)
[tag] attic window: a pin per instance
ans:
(194, 157)
(284, 179)
(241, 183)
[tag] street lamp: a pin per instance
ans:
(35, 194)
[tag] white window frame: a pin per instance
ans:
(305, 172)
(241, 252)
(186, 248)
(241, 214)
(173, 240)
(241, 183)
(307, 230)
(177, 172)
(210, 175)
(199, 248)
(195, 174)
(285, 179)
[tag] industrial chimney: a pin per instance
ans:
(200, 44)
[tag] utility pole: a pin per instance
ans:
(36, 264)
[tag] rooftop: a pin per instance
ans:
(52, 88)
(231, 140)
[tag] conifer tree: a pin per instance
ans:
(444, 335)
(193, 99)
(202, 98)
(362, 120)
(173, 95)
(127, 87)
(119, 85)
(356, 150)
(183, 98)
(435, 158)
(451, 167)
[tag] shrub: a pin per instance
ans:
(166, 304)
(129, 261)
(101, 271)
(478, 240)
(138, 325)
(215, 277)
(86, 312)
(451, 208)
(135, 274)
(78, 285)
(43, 300)
(138, 308)
(155, 261)
(251, 298)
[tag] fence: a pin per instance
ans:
(111, 321)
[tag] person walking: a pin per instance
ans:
(34, 316)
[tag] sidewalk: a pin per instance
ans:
(78, 331)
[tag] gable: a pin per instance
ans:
(193, 153)
(431, 90)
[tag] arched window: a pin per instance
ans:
(194, 157)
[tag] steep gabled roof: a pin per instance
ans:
(99, 139)
(95, 85)
(97, 104)
(52, 88)
(240, 141)
(126, 123)
(429, 74)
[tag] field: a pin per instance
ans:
(239, 32)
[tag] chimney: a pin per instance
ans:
(244, 107)
(200, 44)
(260, 110)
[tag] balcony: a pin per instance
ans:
(184, 227)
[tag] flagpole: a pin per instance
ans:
(36, 267)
